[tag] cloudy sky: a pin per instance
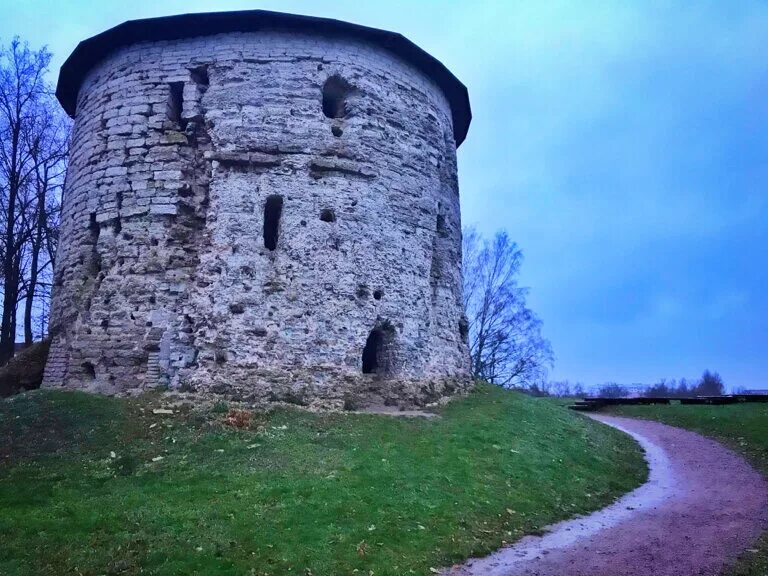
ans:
(622, 144)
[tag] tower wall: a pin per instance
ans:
(244, 212)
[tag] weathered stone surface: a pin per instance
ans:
(165, 274)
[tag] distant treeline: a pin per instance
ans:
(710, 384)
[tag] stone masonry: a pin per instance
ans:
(270, 214)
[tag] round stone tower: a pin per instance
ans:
(261, 205)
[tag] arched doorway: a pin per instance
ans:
(378, 353)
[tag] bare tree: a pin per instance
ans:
(561, 388)
(32, 152)
(506, 345)
(48, 146)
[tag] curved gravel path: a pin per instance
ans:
(701, 507)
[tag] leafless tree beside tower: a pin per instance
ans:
(505, 340)
(34, 135)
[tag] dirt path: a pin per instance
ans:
(700, 508)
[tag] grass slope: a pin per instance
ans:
(743, 427)
(298, 493)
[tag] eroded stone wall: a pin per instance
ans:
(245, 212)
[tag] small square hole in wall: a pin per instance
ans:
(199, 76)
(336, 90)
(89, 370)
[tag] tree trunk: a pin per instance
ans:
(37, 244)
(30, 296)
(10, 275)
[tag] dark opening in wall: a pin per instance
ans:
(175, 102)
(377, 294)
(441, 228)
(273, 209)
(336, 131)
(378, 350)
(93, 262)
(199, 76)
(327, 215)
(89, 370)
(336, 90)
(94, 228)
(464, 329)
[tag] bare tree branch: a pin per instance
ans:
(33, 148)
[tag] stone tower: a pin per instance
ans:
(261, 205)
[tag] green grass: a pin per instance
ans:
(297, 493)
(743, 427)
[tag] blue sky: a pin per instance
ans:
(622, 144)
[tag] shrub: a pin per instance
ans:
(613, 390)
(25, 370)
(220, 407)
(238, 418)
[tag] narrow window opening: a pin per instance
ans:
(89, 369)
(175, 102)
(273, 209)
(94, 228)
(371, 352)
(327, 215)
(378, 350)
(441, 228)
(336, 90)
(464, 329)
(93, 264)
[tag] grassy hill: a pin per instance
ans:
(92, 485)
(743, 427)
